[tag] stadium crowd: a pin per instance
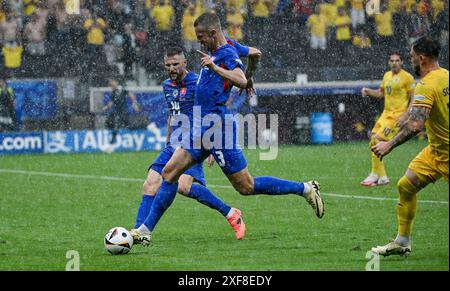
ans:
(48, 38)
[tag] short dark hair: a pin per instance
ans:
(396, 54)
(208, 20)
(427, 46)
(173, 51)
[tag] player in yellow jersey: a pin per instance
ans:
(429, 109)
(397, 88)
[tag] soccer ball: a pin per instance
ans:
(118, 241)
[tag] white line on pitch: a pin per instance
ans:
(124, 179)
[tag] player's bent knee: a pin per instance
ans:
(245, 190)
(150, 188)
(169, 174)
(184, 189)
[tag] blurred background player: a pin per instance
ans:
(118, 118)
(397, 89)
(179, 91)
(429, 109)
(220, 71)
(8, 120)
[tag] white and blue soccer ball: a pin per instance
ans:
(118, 241)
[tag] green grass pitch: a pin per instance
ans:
(50, 204)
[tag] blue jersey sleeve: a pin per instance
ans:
(231, 60)
(242, 50)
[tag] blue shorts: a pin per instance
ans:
(163, 158)
(228, 155)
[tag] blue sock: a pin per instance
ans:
(206, 197)
(275, 186)
(144, 209)
(162, 201)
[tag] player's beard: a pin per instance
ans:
(416, 70)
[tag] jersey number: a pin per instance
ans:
(175, 107)
(220, 158)
(389, 90)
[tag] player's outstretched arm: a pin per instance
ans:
(377, 93)
(413, 125)
(254, 57)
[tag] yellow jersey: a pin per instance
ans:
(396, 88)
(432, 92)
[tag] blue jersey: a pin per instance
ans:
(212, 90)
(180, 97)
(242, 50)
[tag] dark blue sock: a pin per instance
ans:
(144, 209)
(275, 186)
(206, 197)
(162, 201)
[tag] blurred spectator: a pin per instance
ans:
(187, 25)
(15, 7)
(95, 54)
(35, 34)
(163, 16)
(235, 21)
(343, 32)
(361, 40)
(302, 10)
(317, 23)
(357, 13)
(385, 31)
(129, 51)
(8, 120)
(30, 6)
(329, 9)
(2, 15)
(117, 107)
(258, 17)
(418, 25)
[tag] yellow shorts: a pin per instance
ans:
(386, 126)
(425, 164)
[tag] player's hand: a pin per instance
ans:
(211, 160)
(250, 90)
(206, 60)
(365, 92)
(381, 149)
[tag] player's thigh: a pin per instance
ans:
(180, 161)
(230, 161)
(426, 168)
(152, 183)
(162, 159)
(386, 127)
(184, 184)
(197, 173)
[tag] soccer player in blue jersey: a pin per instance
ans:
(179, 90)
(222, 69)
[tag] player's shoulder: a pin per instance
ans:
(166, 82)
(434, 78)
(388, 74)
(191, 78)
(406, 74)
(226, 49)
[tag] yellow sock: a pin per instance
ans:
(378, 166)
(407, 206)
